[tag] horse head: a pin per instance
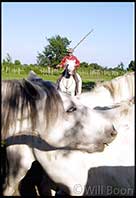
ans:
(60, 121)
(69, 70)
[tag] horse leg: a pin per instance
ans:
(18, 164)
(77, 83)
(44, 187)
(36, 182)
(11, 187)
(58, 81)
(27, 184)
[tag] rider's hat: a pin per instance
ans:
(70, 50)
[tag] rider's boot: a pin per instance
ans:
(76, 89)
(58, 81)
(77, 83)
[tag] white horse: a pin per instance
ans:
(109, 92)
(110, 172)
(101, 173)
(36, 124)
(67, 83)
(107, 173)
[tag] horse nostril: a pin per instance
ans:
(114, 132)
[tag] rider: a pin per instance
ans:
(69, 56)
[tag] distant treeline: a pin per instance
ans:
(53, 53)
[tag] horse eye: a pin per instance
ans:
(71, 109)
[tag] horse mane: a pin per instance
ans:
(53, 108)
(19, 96)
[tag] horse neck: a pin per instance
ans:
(66, 73)
(96, 98)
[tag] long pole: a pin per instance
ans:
(83, 39)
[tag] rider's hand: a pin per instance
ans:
(58, 66)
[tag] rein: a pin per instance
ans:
(5, 143)
(66, 74)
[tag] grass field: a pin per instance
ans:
(89, 78)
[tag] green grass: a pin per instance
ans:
(88, 82)
(54, 77)
(89, 78)
(7, 76)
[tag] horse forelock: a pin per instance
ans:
(53, 105)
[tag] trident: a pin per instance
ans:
(83, 39)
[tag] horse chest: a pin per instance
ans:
(68, 85)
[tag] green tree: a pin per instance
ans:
(120, 66)
(4, 62)
(54, 52)
(84, 64)
(8, 59)
(17, 62)
(95, 66)
(131, 66)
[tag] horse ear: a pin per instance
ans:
(32, 76)
(31, 89)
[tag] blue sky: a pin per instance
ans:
(26, 25)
